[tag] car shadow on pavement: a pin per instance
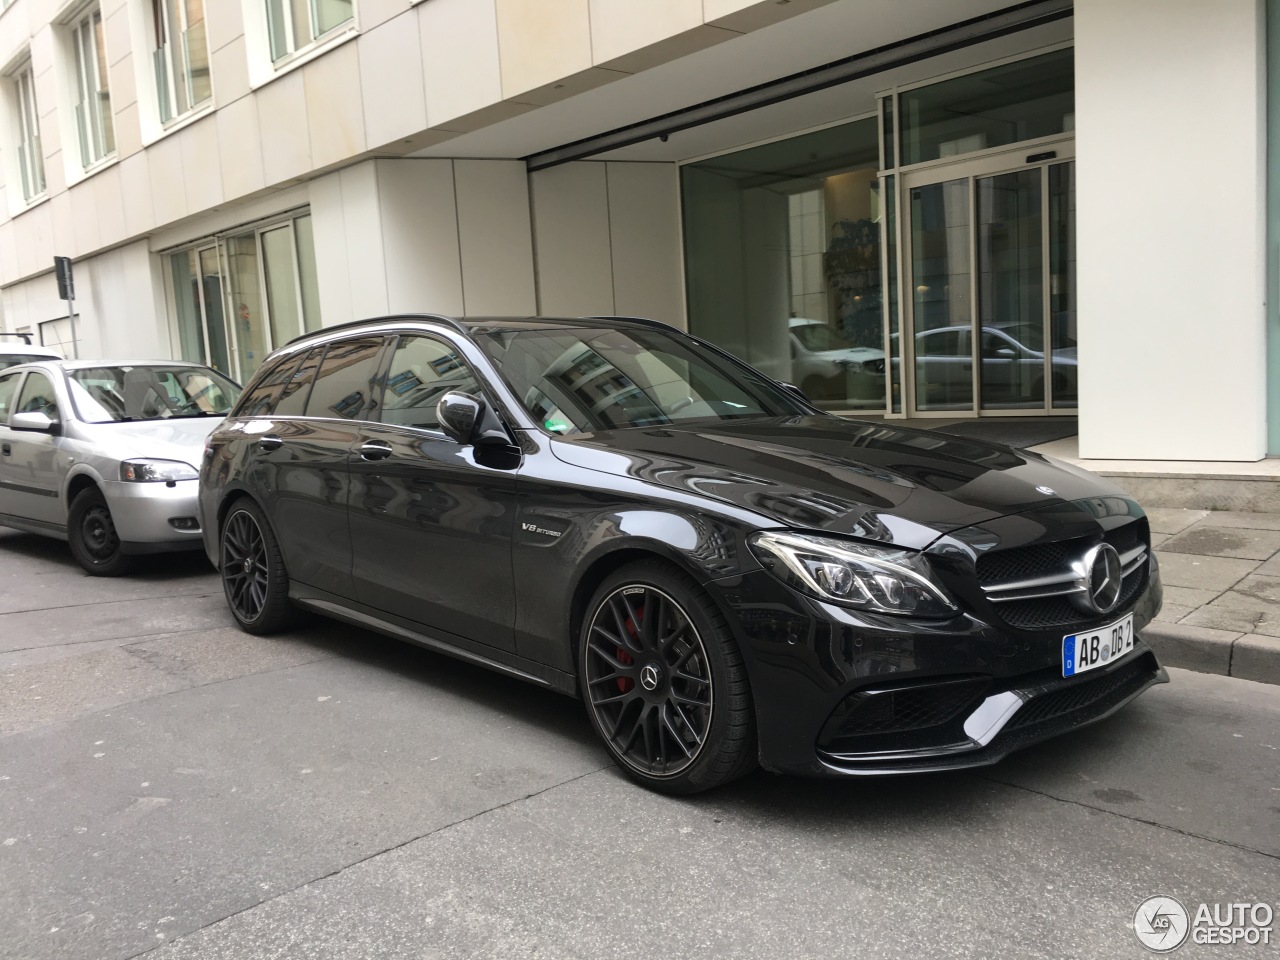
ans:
(159, 567)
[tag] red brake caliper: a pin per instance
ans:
(626, 683)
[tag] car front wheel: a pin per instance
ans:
(664, 682)
(253, 573)
(91, 534)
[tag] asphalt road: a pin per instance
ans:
(172, 787)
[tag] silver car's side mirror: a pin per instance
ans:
(39, 422)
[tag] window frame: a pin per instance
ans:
(169, 27)
(289, 15)
(94, 118)
(31, 176)
(393, 346)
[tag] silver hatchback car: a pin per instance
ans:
(104, 454)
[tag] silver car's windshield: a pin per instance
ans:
(127, 392)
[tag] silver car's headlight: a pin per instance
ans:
(880, 579)
(157, 471)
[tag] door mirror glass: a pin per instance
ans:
(469, 420)
(40, 422)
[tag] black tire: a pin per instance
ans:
(253, 574)
(91, 534)
(664, 682)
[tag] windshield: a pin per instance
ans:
(13, 359)
(150, 392)
(583, 379)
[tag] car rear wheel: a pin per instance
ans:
(664, 682)
(92, 536)
(253, 573)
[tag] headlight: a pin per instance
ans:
(880, 579)
(153, 471)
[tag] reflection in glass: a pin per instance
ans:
(246, 303)
(283, 302)
(1007, 104)
(891, 286)
(940, 296)
(1062, 282)
(1011, 290)
(783, 250)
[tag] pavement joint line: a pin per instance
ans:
(166, 693)
(131, 640)
(1130, 817)
(365, 859)
(96, 603)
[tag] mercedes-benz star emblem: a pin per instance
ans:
(1103, 577)
(649, 676)
(1047, 491)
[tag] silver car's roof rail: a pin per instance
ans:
(24, 337)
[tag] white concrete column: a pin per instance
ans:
(1170, 144)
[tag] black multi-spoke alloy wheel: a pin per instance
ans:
(253, 573)
(92, 536)
(664, 681)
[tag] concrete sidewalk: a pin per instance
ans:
(1221, 574)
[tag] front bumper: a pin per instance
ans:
(839, 692)
(142, 513)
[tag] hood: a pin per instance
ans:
(861, 479)
(171, 439)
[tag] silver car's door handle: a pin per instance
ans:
(4, 448)
(375, 450)
(270, 442)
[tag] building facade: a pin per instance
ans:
(911, 209)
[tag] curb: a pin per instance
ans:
(1243, 655)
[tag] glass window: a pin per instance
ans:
(783, 248)
(294, 24)
(260, 398)
(93, 94)
(1062, 283)
(423, 370)
(150, 392)
(583, 379)
(1017, 101)
(346, 381)
(284, 303)
(293, 399)
(30, 153)
(8, 385)
(38, 396)
(180, 56)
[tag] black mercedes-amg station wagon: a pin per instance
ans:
(726, 575)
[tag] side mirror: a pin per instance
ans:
(795, 391)
(38, 422)
(1007, 352)
(469, 420)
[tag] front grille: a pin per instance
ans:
(1088, 695)
(1031, 587)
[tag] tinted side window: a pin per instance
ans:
(346, 380)
(8, 386)
(293, 399)
(260, 399)
(38, 396)
(422, 371)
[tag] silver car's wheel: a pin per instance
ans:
(91, 533)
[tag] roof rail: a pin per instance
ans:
(24, 337)
(450, 321)
(647, 321)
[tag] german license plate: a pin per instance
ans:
(1082, 652)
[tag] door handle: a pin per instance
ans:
(374, 450)
(5, 449)
(270, 442)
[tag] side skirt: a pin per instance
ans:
(41, 527)
(357, 615)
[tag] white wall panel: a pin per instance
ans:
(496, 237)
(571, 239)
(644, 231)
(330, 230)
(362, 234)
(420, 236)
(1170, 140)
